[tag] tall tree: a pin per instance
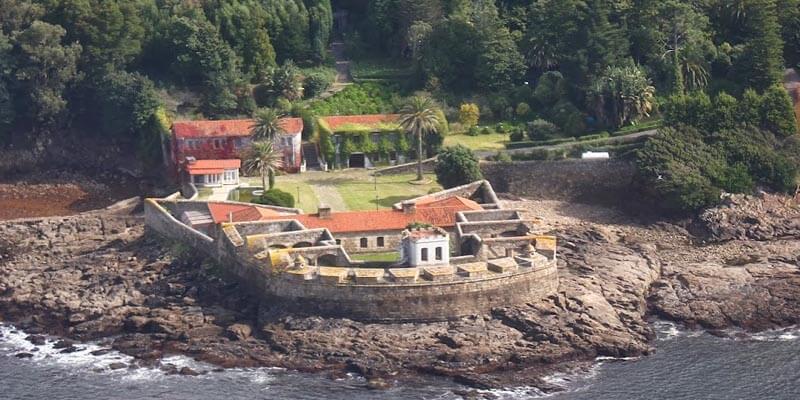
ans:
(684, 40)
(266, 125)
(761, 65)
(46, 67)
(419, 117)
(263, 159)
(622, 95)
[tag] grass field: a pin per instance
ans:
(359, 193)
(388, 257)
(492, 141)
(307, 201)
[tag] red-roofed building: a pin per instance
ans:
(359, 231)
(213, 172)
(228, 212)
(357, 128)
(229, 139)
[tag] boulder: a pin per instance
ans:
(239, 332)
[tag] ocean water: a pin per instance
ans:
(687, 365)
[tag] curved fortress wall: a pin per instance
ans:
(469, 285)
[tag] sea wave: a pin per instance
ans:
(95, 358)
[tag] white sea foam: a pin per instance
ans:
(778, 335)
(13, 341)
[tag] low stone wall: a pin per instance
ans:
(431, 301)
(427, 167)
(595, 181)
(161, 221)
(430, 293)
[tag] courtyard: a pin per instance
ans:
(348, 190)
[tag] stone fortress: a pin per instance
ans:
(460, 254)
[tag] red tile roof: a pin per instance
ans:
(222, 212)
(335, 122)
(204, 167)
(227, 128)
(454, 201)
(443, 216)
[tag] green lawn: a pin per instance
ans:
(388, 257)
(292, 183)
(492, 141)
(361, 194)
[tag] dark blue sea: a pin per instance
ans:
(687, 365)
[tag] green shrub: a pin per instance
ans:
(601, 135)
(500, 128)
(275, 197)
(517, 135)
(542, 130)
(522, 110)
(473, 131)
(315, 84)
(456, 166)
(486, 130)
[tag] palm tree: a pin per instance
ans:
(419, 118)
(266, 125)
(263, 159)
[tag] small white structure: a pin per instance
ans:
(425, 246)
(595, 155)
(213, 173)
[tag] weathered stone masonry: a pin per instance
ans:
(322, 279)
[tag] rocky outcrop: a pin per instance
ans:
(98, 275)
(742, 217)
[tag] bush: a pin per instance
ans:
(601, 135)
(517, 135)
(501, 156)
(473, 131)
(542, 130)
(522, 110)
(500, 128)
(486, 130)
(315, 84)
(456, 166)
(275, 197)
(469, 114)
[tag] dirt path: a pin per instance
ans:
(327, 194)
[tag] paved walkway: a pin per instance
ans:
(220, 193)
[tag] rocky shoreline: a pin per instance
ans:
(98, 276)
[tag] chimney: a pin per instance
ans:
(409, 207)
(324, 211)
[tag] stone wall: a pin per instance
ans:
(427, 167)
(416, 302)
(159, 219)
(595, 181)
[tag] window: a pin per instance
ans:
(238, 143)
(364, 242)
(424, 255)
(338, 241)
(438, 254)
(192, 144)
(230, 176)
(380, 241)
(217, 144)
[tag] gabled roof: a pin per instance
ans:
(222, 212)
(229, 127)
(337, 121)
(205, 167)
(454, 201)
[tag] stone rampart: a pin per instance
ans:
(469, 285)
(595, 181)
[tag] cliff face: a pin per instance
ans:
(94, 276)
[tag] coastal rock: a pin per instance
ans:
(239, 331)
(743, 217)
(99, 276)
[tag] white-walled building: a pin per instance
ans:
(213, 172)
(425, 246)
